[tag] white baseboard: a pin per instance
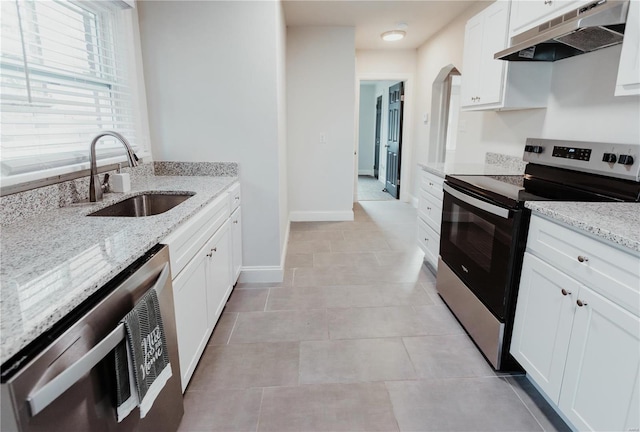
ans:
(267, 274)
(261, 274)
(320, 216)
(366, 172)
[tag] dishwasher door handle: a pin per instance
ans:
(48, 393)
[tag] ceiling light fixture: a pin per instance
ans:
(393, 35)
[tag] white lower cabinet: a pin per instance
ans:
(430, 217)
(192, 315)
(236, 244)
(218, 253)
(581, 348)
(602, 374)
(542, 327)
(201, 258)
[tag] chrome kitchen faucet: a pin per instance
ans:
(95, 187)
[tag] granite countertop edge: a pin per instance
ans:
(442, 169)
(622, 219)
(27, 275)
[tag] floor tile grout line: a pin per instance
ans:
(233, 327)
(393, 410)
(266, 301)
(415, 369)
(523, 403)
(260, 410)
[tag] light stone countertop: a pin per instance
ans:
(441, 169)
(613, 221)
(53, 262)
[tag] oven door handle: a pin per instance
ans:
(482, 205)
(53, 389)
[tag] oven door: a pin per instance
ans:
(476, 242)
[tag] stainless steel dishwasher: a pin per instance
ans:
(69, 384)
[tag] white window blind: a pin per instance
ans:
(64, 78)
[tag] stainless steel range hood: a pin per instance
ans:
(588, 28)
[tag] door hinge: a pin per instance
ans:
(398, 182)
(401, 98)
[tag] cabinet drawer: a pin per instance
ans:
(429, 242)
(432, 184)
(185, 241)
(234, 196)
(611, 272)
(430, 210)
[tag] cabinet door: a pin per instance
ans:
(528, 14)
(471, 60)
(236, 245)
(542, 325)
(601, 383)
(494, 39)
(218, 273)
(429, 242)
(430, 210)
(192, 323)
(628, 82)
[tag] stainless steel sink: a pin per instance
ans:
(148, 204)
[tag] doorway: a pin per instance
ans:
(379, 140)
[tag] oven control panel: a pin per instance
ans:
(613, 160)
(572, 153)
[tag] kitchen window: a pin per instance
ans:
(67, 72)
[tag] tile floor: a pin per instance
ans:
(370, 189)
(355, 339)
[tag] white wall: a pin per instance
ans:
(581, 104)
(393, 66)
(281, 76)
(367, 129)
(214, 93)
(320, 107)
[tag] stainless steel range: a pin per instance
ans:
(485, 225)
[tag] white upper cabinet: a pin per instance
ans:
(528, 14)
(489, 84)
(628, 82)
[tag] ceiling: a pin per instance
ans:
(371, 18)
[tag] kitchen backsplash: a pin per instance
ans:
(216, 169)
(512, 162)
(36, 201)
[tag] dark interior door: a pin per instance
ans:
(376, 151)
(394, 139)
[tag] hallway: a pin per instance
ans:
(355, 339)
(370, 189)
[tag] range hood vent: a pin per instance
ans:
(588, 28)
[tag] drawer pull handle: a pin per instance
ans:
(580, 303)
(582, 258)
(215, 249)
(565, 292)
(210, 254)
(426, 239)
(429, 208)
(237, 198)
(430, 184)
(235, 221)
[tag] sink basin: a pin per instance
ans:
(148, 204)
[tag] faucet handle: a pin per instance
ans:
(105, 184)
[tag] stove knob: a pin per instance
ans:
(537, 149)
(609, 157)
(625, 160)
(528, 148)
